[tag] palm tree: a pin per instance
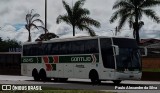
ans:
(77, 17)
(133, 24)
(132, 11)
(46, 36)
(31, 20)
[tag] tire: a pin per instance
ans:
(56, 79)
(117, 82)
(63, 79)
(35, 75)
(94, 77)
(42, 74)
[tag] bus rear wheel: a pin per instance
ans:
(35, 75)
(116, 82)
(43, 76)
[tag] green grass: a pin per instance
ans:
(151, 70)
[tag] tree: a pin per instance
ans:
(0, 39)
(132, 11)
(31, 19)
(47, 36)
(5, 45)
(78, 17)
(133, 24)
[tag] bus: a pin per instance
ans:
(96, 58)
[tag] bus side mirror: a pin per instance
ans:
(143, 51)
(116, 49)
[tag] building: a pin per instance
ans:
(152, 60)
(10, 63)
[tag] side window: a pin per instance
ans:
(81, 47)
(43, 49)
(27, 50)
(107, 53)
(54, 49)
(91, 46)
(34, 50)
(49, 48)
(63, 48)
(75, 47)
(70, 48)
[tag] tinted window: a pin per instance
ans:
(125, 42)
(61, 48)
(107, 53)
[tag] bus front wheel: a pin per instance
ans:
(94, 77)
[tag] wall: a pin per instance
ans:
(148, 62)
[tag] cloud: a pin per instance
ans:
(13, 13)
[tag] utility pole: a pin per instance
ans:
(45, 17)
(116, 31)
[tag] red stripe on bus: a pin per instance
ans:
(46, 59)
(56, 59)
(48, 67)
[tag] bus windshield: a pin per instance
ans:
(129, 55)
(128, 59)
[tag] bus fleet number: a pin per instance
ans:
(28, 60)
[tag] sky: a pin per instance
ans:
(12, 19)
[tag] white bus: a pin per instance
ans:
(97, 58)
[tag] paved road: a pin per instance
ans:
(84, 84)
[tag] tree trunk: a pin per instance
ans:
(29, 36)
(73, 30)
(136, 25)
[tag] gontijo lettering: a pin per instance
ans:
(81, 59)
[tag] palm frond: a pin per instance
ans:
(28, 17)
(89, 21)
(151, 14)
(122, 21)
(80, 12)
(78, 5)
(63, 18)
(150, 3)
(114, 17)
(122, 4)
(35, 15)
(68, 9)
(33, 25)
(43, 28)
(38, 20)
(90, 30)
(130, 22)
(120, 13)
